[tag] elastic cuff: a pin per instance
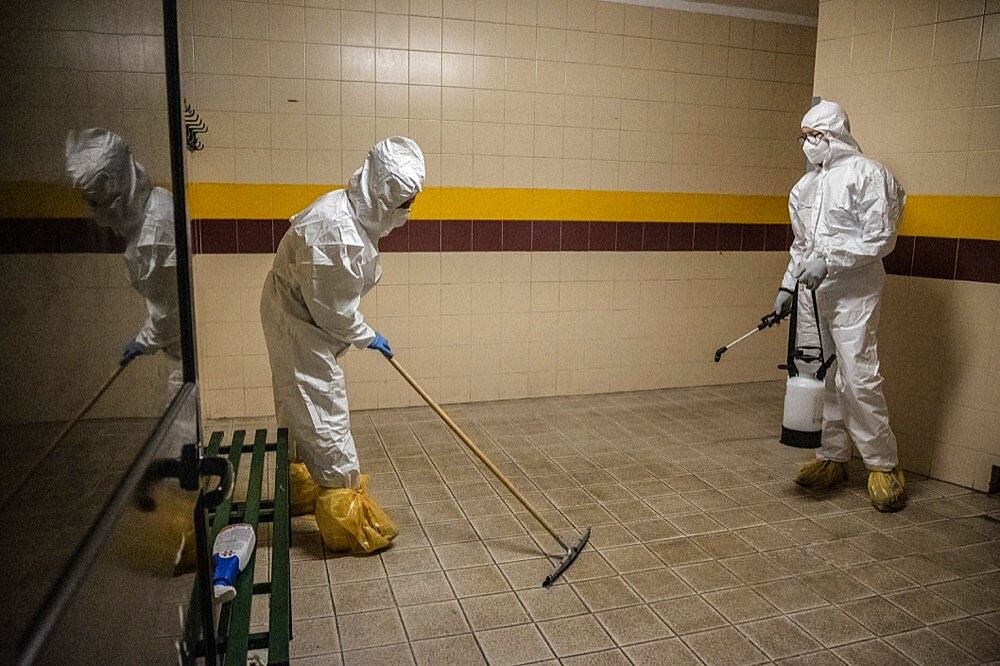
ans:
(787, 291)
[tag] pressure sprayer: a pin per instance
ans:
(802, 421)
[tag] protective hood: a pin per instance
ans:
(831, 119)
(392, 174)
(100, 165)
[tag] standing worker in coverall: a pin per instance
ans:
(844, 214)
(325, 263)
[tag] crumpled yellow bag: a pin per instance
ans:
(302, 495)
(350, 521)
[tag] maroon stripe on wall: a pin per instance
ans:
(944, 258)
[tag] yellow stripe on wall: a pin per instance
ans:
(925, 215)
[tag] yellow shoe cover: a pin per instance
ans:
(822, 474)
(302, 497)
(886, 490)
(350, 521)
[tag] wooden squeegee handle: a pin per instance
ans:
(479, 454)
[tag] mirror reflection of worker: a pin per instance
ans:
(844, 214)
(121, 196)
(325, 263)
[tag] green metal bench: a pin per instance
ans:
(233, 639)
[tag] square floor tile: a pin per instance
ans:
(422, 588)
(444, 618)
(606, 593)
(529, 573)
(685, 615)
(968, 596)
(879, 616)
(871, 653)
(477, 580)
(549, 603)
(453, 650)
(636, 624)
(831, 626)
(669, 651)
(462, 555)
(387, 655)
(362, 596)
(522, 644)
(973, 636)
(603, 658)
(926, 606)
(372, 629)
(657, 584)
(316, 636)
(675, 552)
(789, 595)
(724, 646)
(928, 648)
(494, 610)
(631, 558)
(706, 576)
(835, 586)
(410, 561)
(754, 568)
(575, 635)
(740, 604)
(778, 637)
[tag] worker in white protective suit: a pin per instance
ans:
(325, 263)
(119, 192)
(844, 214)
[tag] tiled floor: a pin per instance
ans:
(703, 550)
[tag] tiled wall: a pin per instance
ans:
(66, 304)
(921, 80)
(493, 325)
(544, 95)
(66, 319)
(548, 93)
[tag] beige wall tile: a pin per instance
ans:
(357, 28)
(458, 36)
(322, 26)
(957, 41)
(990, 47)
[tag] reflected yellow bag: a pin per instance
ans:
(162, 541)
(302, 495)
(350, 520)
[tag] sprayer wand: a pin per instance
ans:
(767, 321)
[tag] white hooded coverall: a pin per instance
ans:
(101, 167)
(845, 210)
(325, 263)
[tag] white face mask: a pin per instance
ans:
(816, 152)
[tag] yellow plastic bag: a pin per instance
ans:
(302, 496)
(350, 521)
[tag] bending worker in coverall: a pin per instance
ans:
(325, 263)
(844, 214)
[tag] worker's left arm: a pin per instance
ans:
(157, 282)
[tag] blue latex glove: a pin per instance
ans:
(133, 350)
(381, 344)
(812, 273)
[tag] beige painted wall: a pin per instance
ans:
(921, 80)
